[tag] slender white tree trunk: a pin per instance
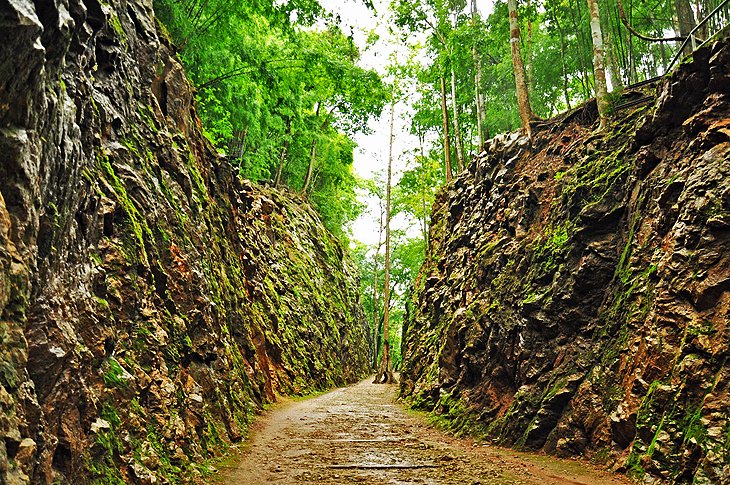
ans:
(310, 167)
(447, 145)
(385, 370)
(599, 64)
(457, 129)
(376, 311)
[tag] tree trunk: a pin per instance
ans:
(613, 66)
(530, 70)
(701, 14)
(237, 145)
(563, 54)
(599, 68)
(632, 58)
(242, 146)
(310, 168)
(457, 129)
(523, 99)
(313, 153)
(481, 109)
(376, 313)
(447, 145)
(580, 51)
(280, 168)
(618, 42)
(282, 158)
(317, 173)
(425, 218)
(478, 99)
(385, 370)
(632, 62)
(685, 22)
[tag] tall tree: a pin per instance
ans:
(599, 67)
(685, 22)
(478, 98)
(282, 158)
(385, 370)
(447, 145)
(377, 321)
(457, 129)
(613, 67)
(554, 16)
(523, 98)
(455, 103)
(415, 191)
(434, 16)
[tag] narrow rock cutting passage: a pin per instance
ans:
(359, 434)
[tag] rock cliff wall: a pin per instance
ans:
(577, 292)
(150, 301)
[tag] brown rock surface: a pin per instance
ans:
(577, 292)
(150, 300)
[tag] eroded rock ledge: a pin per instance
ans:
(577, 292)
(150, 301)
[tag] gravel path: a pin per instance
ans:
(359, 434)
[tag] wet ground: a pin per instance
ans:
(359, 434)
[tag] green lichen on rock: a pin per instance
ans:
(575, 299)
(151, 301)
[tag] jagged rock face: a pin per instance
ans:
(577, 292)
(150, 301)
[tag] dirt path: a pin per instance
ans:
(359, 434)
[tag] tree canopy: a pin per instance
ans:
(280, 92)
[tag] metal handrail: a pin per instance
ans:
(690, 36)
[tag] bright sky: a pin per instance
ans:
(371, 155)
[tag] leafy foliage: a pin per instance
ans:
(557, 50)
(281, 98)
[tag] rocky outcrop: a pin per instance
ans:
(150, 300)
(577, 291)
